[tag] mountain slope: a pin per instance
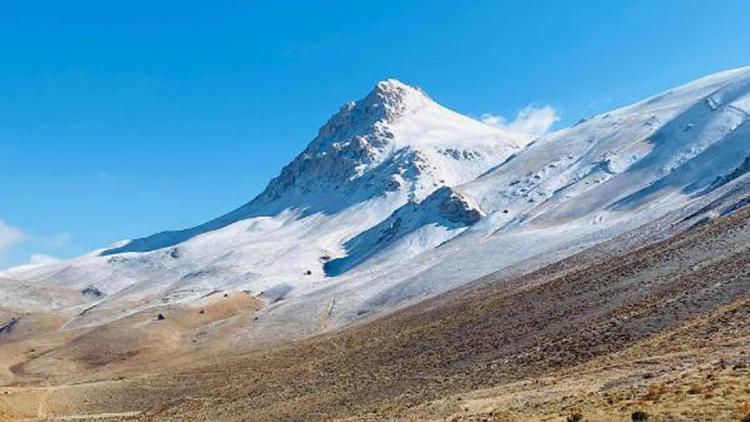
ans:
(668, 312)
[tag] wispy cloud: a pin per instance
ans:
(10, 236)
(16, 245)
(530, 119)
(41, 259)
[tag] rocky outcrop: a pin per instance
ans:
(355, 139)
(445, 209)
(455, 207)
(7, 326)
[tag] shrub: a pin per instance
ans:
(639, 416)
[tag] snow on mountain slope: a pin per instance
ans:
(411, 229)
(394, 147)
(679, 139)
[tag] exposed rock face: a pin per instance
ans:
(739, 171)
(354, 140)
(7, 326)
(92, 293)
(455, 207)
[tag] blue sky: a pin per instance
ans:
(120, 119)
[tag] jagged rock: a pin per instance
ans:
(8, 325)
(456, 208)
(92, 292)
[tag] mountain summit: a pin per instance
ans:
(395, 138)
(388, 101)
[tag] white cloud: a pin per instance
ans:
(530, 119)
(40, 259)
(15, 245)
(10, 236)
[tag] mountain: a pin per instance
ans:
(394, 142)
(399, 199)
(395, 147)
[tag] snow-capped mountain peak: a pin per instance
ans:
(395, 138)
(389, 101)
(393, 146)
(392, 99)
